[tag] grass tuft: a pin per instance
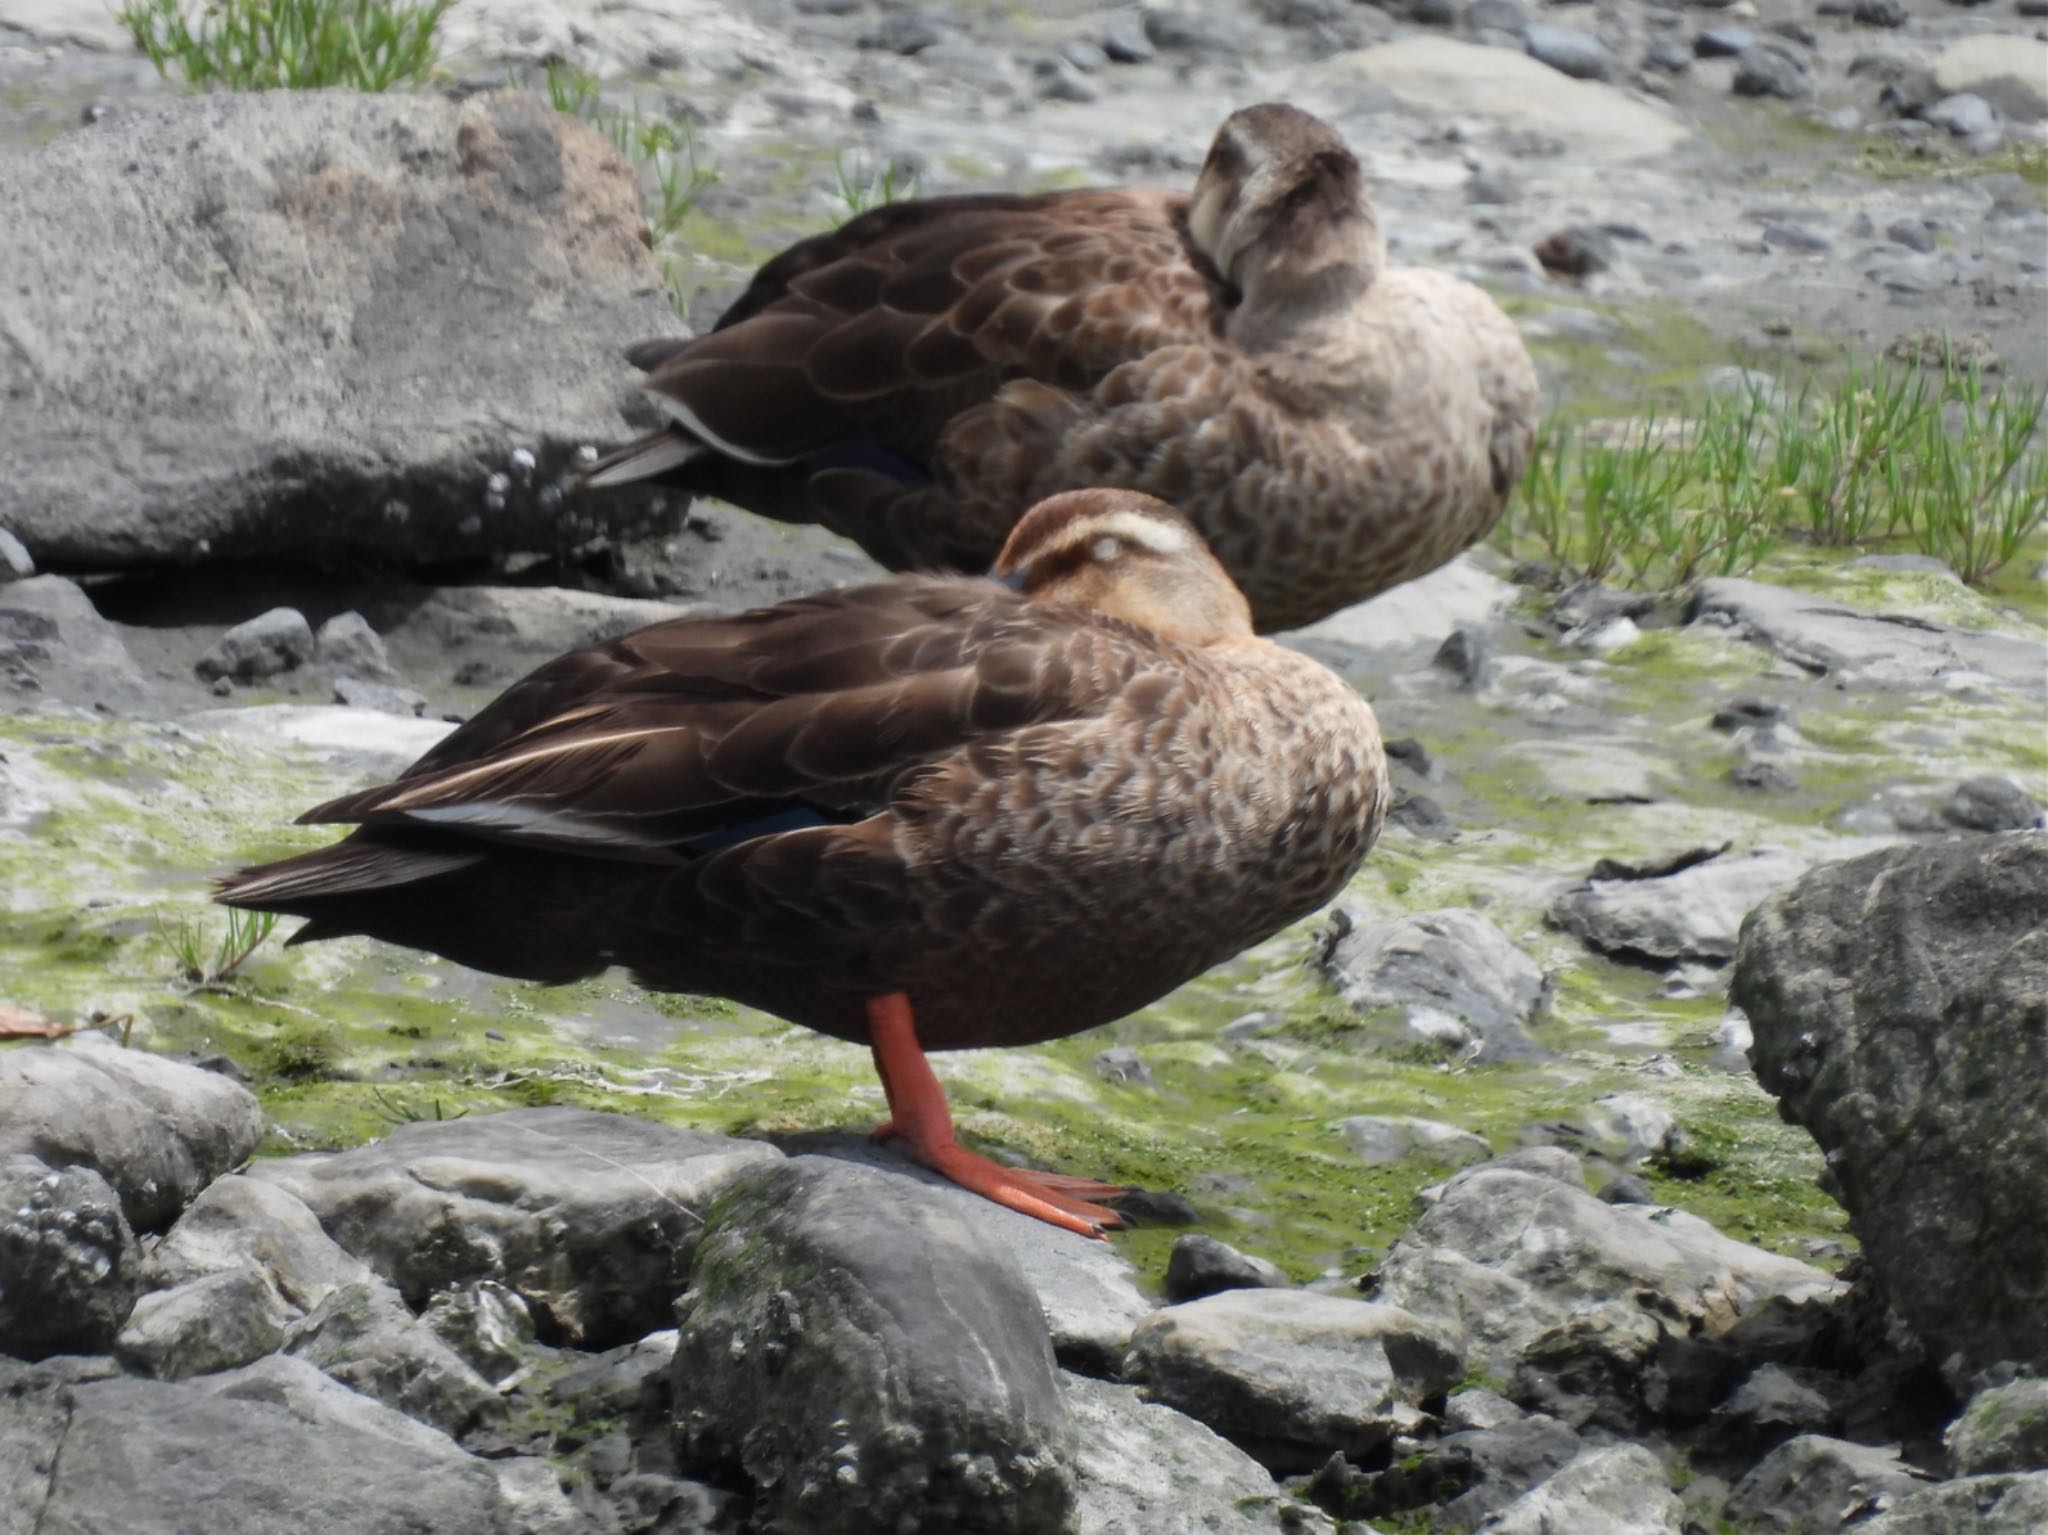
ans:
(673, 168)
(260, 45)
(208, 962)
(861, 185)
(1941, 461)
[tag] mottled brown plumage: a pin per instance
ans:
(1031, 807)
(917, 378)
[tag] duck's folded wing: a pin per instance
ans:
(914, 310)
(692, 735)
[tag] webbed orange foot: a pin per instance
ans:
(919, 1117)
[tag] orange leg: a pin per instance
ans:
(918, 1116)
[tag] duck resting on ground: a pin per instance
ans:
(937, 813)
(917, 378)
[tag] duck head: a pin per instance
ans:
(1280, 207)
(1126, 556)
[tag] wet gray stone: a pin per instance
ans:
(1385, 1138)
(54, 645)
(1446, 975)
(1806, 1485)
(590, 1217)
(869, 1361)
(1964, 116)
(1832, 638)
(1980, 1505)
(354, 693)
(1723, 42)
(1569, 51)
(1510, 1249)
(215, 1322)
(1291, 1375)
(908, 31)
(1201, 1265)
(487, 1325)
(1477, 1469)
(1668, 55)
(347, 645)
(1087, 1290)
(1879, 13)
(1621, 1490)
(365, 1337)
(277, 641)
(1123, 37)
(157, 1130)
(1896, 1002)
(69, 1266)
(2005, 1428)
(1992, 805)
(1771, 70)
(1695, 913)
(1141, 1468)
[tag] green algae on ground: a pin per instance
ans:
(345, 1039)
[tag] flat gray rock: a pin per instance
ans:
(1896, 1003)
(376, 326)
(1980, 1505)
(215, 1322)
(591, 1217)
(1505, 1255)
(1621, 1490)
(1803, 1485)
(158, 1458)
(1830, 638)
(247, 1224)
(870, 1361)
(156, 1129)
(1383, 1138)
(1694, 914)
(1291, 1375)
(1141, 1469)
(1445, 975)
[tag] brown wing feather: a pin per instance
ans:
(910, 314)
(695, 727)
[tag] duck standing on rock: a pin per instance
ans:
(936, 813)
(917, 378)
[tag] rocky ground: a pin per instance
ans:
(1466, 1202)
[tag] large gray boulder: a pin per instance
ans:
(870, 1361)
(591, 1218)
(316, 325)
(1900, 1009)
(156, 1129)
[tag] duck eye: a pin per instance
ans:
(1106, 548)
